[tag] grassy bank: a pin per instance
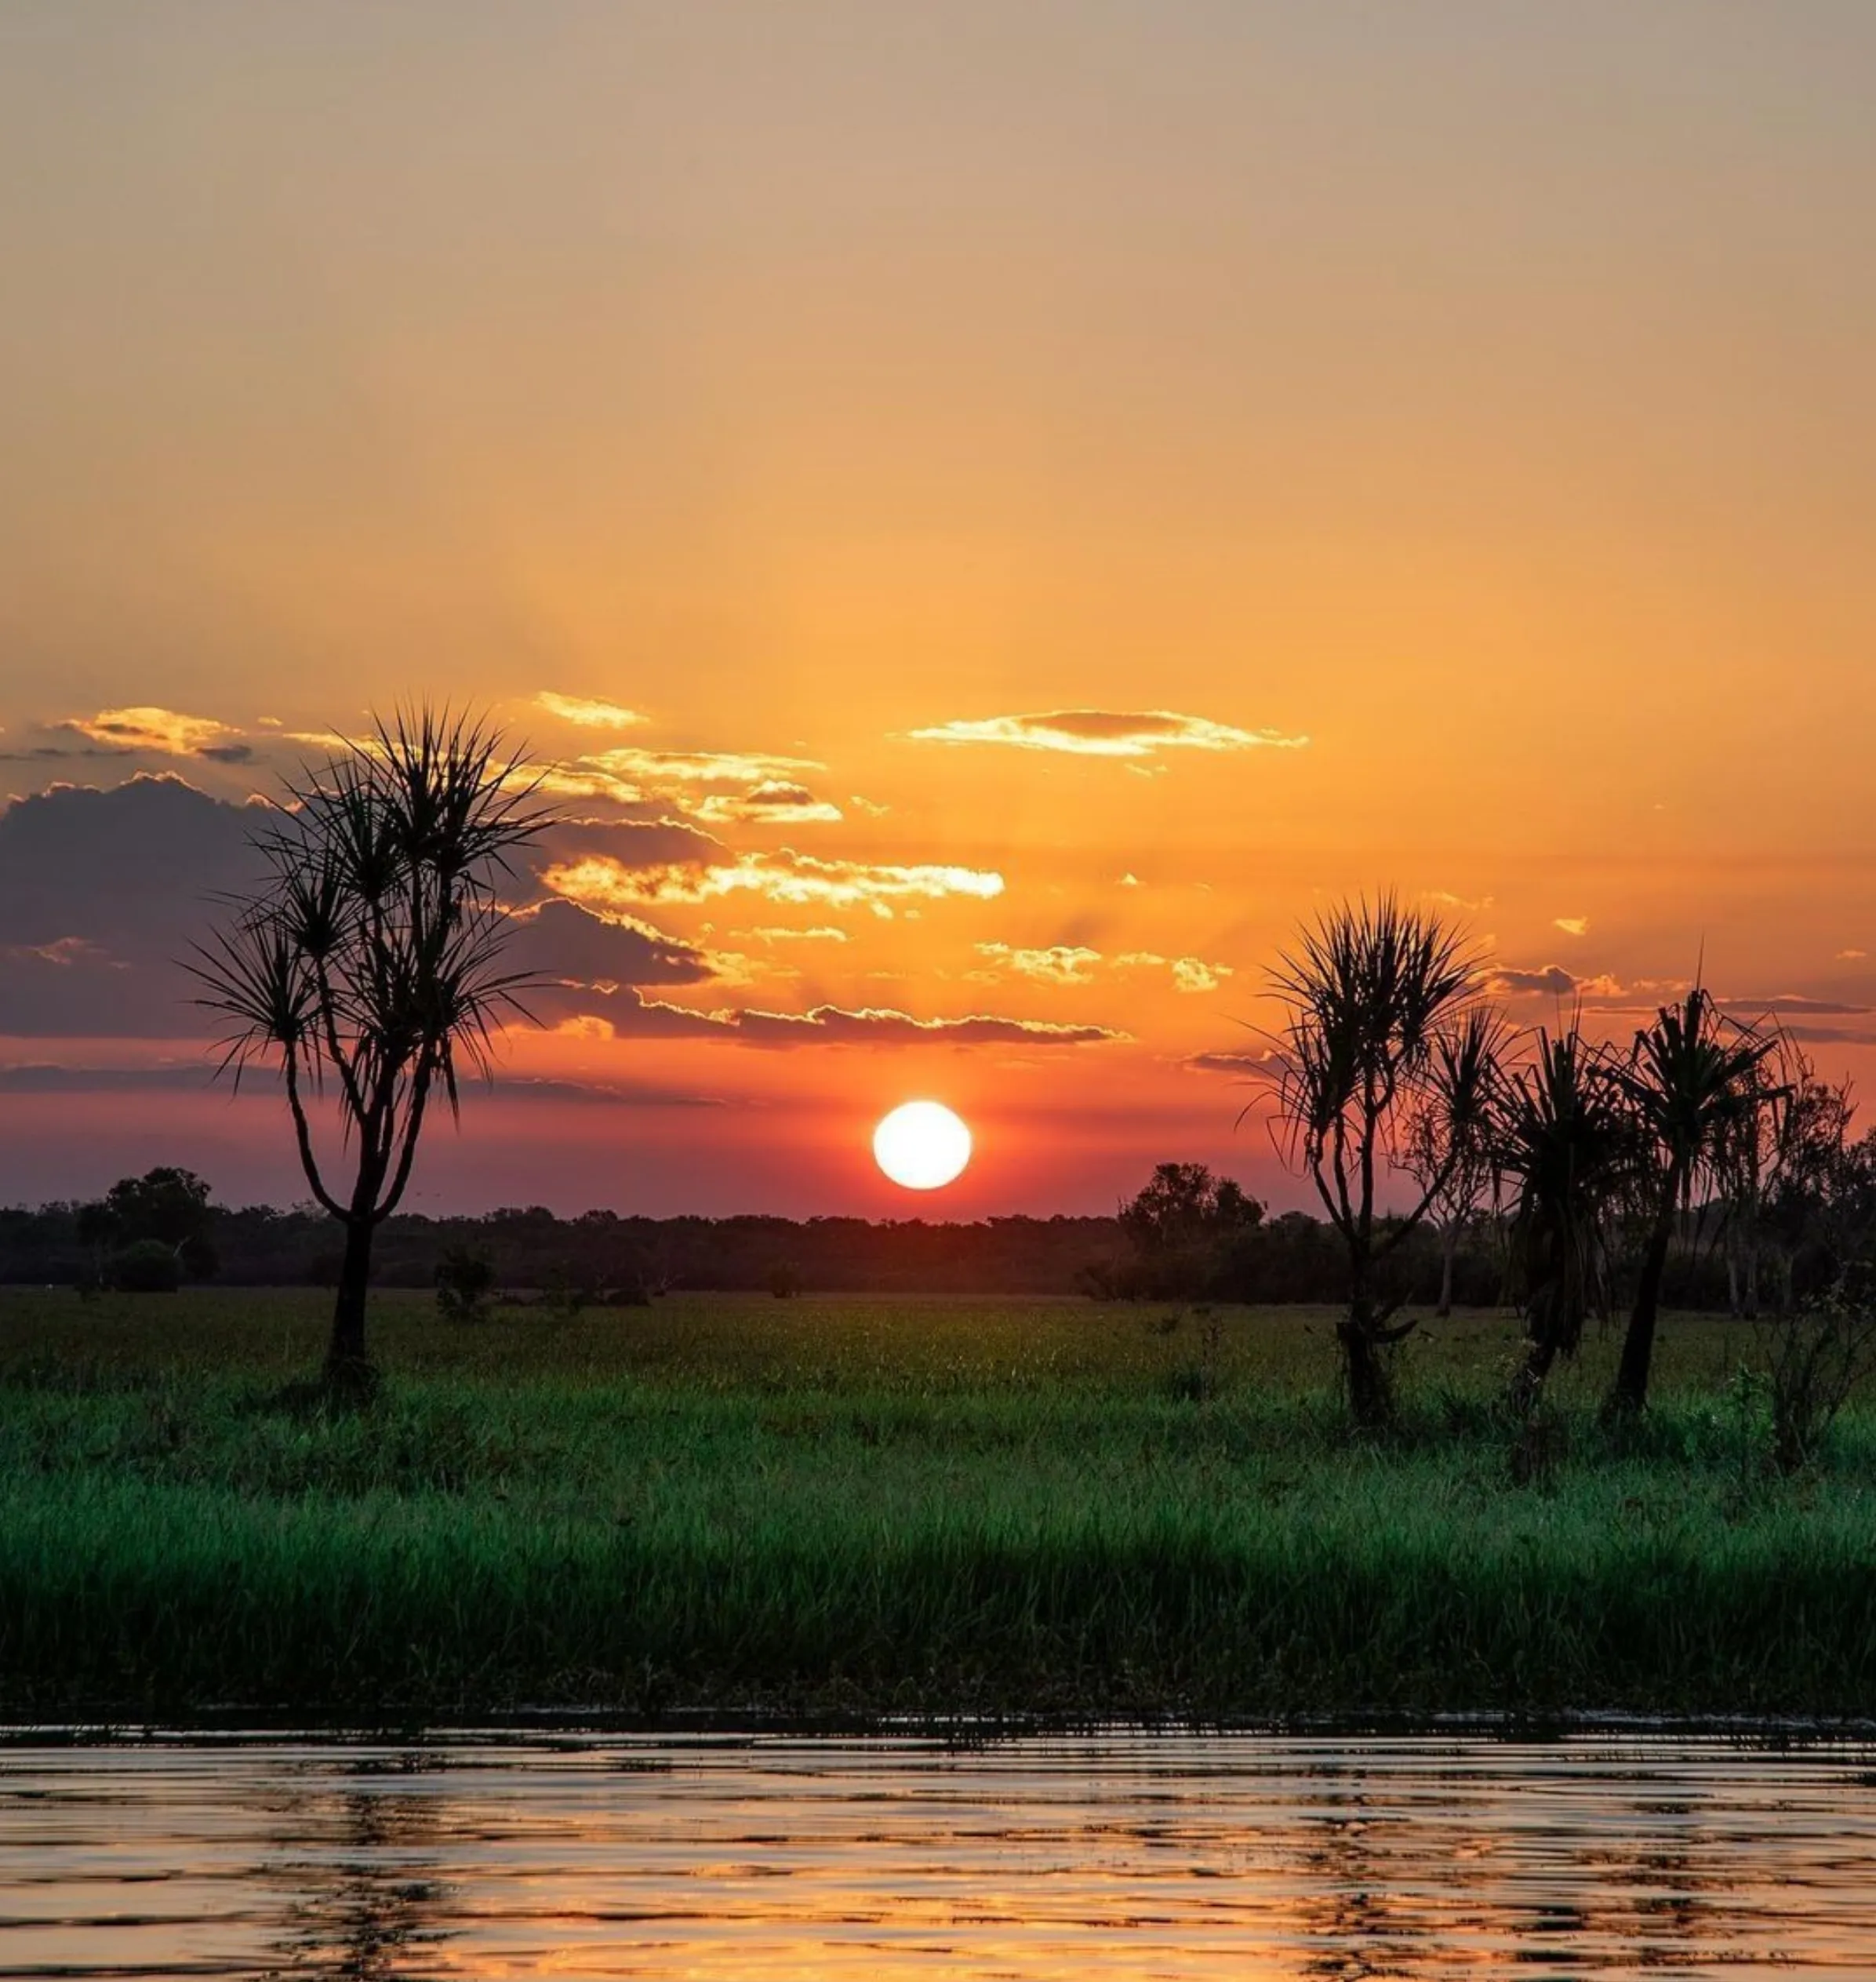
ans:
(864, 1507)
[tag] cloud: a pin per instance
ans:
(1572, 925)
(1066, 964)
(1191, 974)
(785, 876)
(1446, 898)
(560, 941)
(1849, 956)
(774, 803)
(1101, 732)
(1240, 1064)
(1552, 980)
(164, 732)
(634, 844)
(663, 769)
(825, 932)
(49, 1077)
(1824, 1035)
(1792, 1002)
(630, 1014)
(586, 713)
(1062, 964)
(887, 1028)
(101, 892)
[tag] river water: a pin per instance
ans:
(1126, 1854)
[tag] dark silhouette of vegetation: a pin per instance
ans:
(1564, 1145)
(146, 1266)
(464, 1280)
(1377, 996)
(1450, 1148)
(164, 1210)
(369, 966)
(1689, 1082)
(1182, 1230)
(168, 1207)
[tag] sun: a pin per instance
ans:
(922, 1145)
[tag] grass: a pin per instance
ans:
(864, 1508)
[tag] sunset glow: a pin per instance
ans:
(981, 528)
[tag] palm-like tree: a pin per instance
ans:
(369, 964)
(1690, 1078)
(1449, 1142)
(1566, 1146)
(1371, 990)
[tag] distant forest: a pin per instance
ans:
(1186, 1236)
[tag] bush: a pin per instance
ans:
(1814, 1359)
(464, 1278)
(147, 1267)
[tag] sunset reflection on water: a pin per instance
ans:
(1137, 1855)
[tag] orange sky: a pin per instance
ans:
(1480, 394)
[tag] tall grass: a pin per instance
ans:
(868, 1509)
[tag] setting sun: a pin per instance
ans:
(923, 1144)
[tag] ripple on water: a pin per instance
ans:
(1124, 1854)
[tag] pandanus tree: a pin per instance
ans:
(1689, 1080)
(367, 969)
(1565, 1151)
(1449, 1140)
(1374, 993)
(1774, 1155)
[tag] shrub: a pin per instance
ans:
(464, 1278)
(147, 1267)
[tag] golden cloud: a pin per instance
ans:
(1102, 733)
(663, 768)
(166, 731)
(1193, 974)
(776, 801)
(824, 933)
(1062, 964)
(787, 876)
(589, 714)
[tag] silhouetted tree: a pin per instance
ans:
(1690, 1081)
(1371, 990)
(167, 1206)
(1448, 1150)
(370, 965)
(465, 1278)
(1179, 1226)
(1564, 1142)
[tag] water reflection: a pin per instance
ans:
(1136, 1856)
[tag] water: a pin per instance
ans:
(1132, 1856)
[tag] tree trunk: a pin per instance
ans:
(1365, 1368)
(1448, 1250)
(1630, 1395)
(346, 1365)
(1528, 1380)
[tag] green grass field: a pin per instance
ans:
(861, 1508)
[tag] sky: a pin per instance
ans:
(989, 516)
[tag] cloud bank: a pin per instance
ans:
(1103, 732)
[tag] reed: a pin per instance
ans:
(925, 1509)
